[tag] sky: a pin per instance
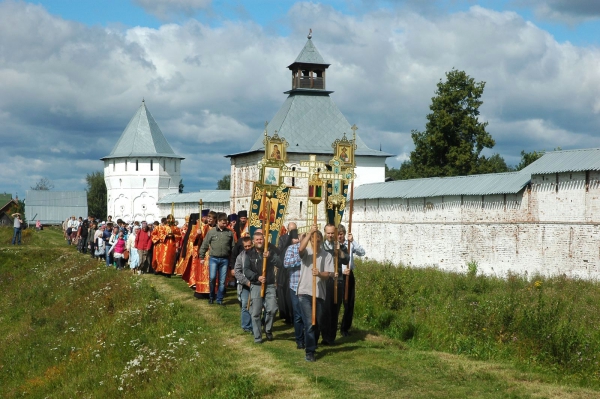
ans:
(73, 73)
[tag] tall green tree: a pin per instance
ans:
(224, 183)
(96, 194)
(454, 137)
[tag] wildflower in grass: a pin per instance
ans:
(538, 284)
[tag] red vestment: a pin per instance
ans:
(165, 239)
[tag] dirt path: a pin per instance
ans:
(290, 385)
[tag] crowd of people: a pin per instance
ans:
(213, 251)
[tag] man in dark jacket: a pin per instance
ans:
(253, 266)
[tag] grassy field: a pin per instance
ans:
(70, 327)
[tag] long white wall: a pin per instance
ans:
(545, 229)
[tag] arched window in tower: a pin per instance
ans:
(175, 165)
(300, 207)
(293, 178)
(136, 165)
(164, 165)
(125, 165)
(113, 165)
(144, 183)
(152, 164)
(120, 183)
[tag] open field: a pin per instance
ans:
(70, 327)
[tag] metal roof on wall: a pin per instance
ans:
(206, 195)
(55, 206)
(488, 184)
(142, 138)
(565, 161)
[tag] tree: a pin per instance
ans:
(96, 195)
(493, 164)
(454, 137)
(224, 183)
(404, 172)
(181, 186)
(43, 184)
(528, 158)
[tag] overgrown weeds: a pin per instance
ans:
(546, 322)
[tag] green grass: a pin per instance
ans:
(547, 322)
(70, 327)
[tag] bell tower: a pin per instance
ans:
(308, 70)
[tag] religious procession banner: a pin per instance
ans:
(331, 188)
(261, 210)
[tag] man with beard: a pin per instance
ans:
(253, 267)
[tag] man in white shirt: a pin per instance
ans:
(354, 248)
(17, 226)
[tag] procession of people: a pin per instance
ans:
(213, 251)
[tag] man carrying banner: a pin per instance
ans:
(253, 270)
(324, 268)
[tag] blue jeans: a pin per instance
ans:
(310, 331)
(245, 316)
(220, 265)
(16, 236)
(297, 317)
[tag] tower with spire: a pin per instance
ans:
(310, 122)
(141, 168)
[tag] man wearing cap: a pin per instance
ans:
(17, 225)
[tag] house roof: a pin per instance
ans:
(207, 196)
(488, 184)
(142, 138)
(565, 161)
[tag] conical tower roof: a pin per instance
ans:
(310, 54)
(142, 138)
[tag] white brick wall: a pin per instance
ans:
(538, 231)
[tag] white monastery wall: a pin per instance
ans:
(539, 230)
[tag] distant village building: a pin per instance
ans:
(310, 122)
(6, 204)
(54, 207)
